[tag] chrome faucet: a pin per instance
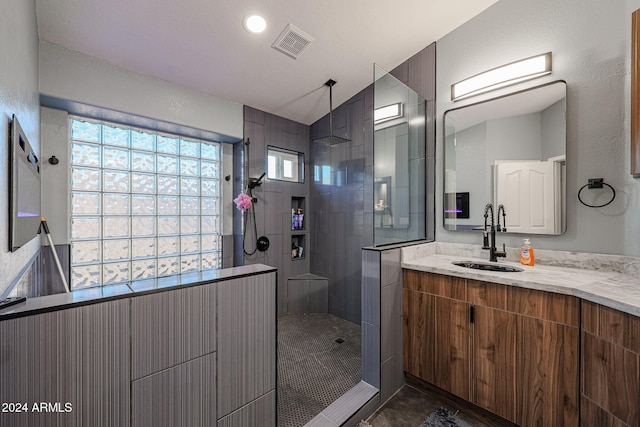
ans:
(489, 237)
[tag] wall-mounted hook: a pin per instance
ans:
(53, 160)
(227, 178)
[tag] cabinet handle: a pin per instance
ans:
(472, 314)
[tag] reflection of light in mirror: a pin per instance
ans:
(502, 76)
(388, 112)
(322, 174)
(417, 121)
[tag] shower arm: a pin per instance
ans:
(330, 83)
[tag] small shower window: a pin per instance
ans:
(285, 165)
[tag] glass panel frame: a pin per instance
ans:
(399, 163)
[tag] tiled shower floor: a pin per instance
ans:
(314, 369)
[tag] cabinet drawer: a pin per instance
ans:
(564, 309)
(436, 284)
(612, 325)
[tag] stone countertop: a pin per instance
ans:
(613, 287)
(95, 295)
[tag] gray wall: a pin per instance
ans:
(343, 211)
(73, 76)
(554, 131)
(590, 41)
(273, 209)
(419, 73)
(19, 96)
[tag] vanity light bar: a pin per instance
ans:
(502, 76)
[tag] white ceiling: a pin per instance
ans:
(202, 44)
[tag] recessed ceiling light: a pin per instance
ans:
(255, 23)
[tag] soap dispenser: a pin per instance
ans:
(526, 253)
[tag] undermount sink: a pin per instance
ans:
(488, 266)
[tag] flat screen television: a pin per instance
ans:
(461, 208)
(24, 182)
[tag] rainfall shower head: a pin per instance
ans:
(331, 139)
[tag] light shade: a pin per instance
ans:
(505, 75)
(255, 23)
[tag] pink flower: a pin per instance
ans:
(243, 202)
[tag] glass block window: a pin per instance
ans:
(143, 204)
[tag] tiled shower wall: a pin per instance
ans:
(343, 209)
(273, 209)
(419, 73)
(342, 206)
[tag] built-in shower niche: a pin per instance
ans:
(298, 224)
(297, 213)
(298, 250)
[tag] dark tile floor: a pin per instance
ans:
(410, 407)
(313, 368)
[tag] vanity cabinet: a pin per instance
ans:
(510, 350)
(610, 360)
(437, 332)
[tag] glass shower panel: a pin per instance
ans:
(399, 161)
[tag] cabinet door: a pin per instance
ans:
(418, 338)
(610, 367)
(451, 330)
(437, 333)
(547, 373)
(494, 361)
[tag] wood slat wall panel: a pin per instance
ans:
(179, 396)
(259, 413)
(94, 363)
(170, 328)
(51, 280)
(246, 340)
(29, 368)
(78, 356)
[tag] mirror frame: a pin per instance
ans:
(492, 185)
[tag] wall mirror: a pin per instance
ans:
(509, 150)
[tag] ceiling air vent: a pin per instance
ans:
(292, 41)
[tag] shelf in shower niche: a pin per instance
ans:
(298, 222)
(298, 250)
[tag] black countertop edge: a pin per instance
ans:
(96, 295)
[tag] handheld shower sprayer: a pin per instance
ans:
(255, 182)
